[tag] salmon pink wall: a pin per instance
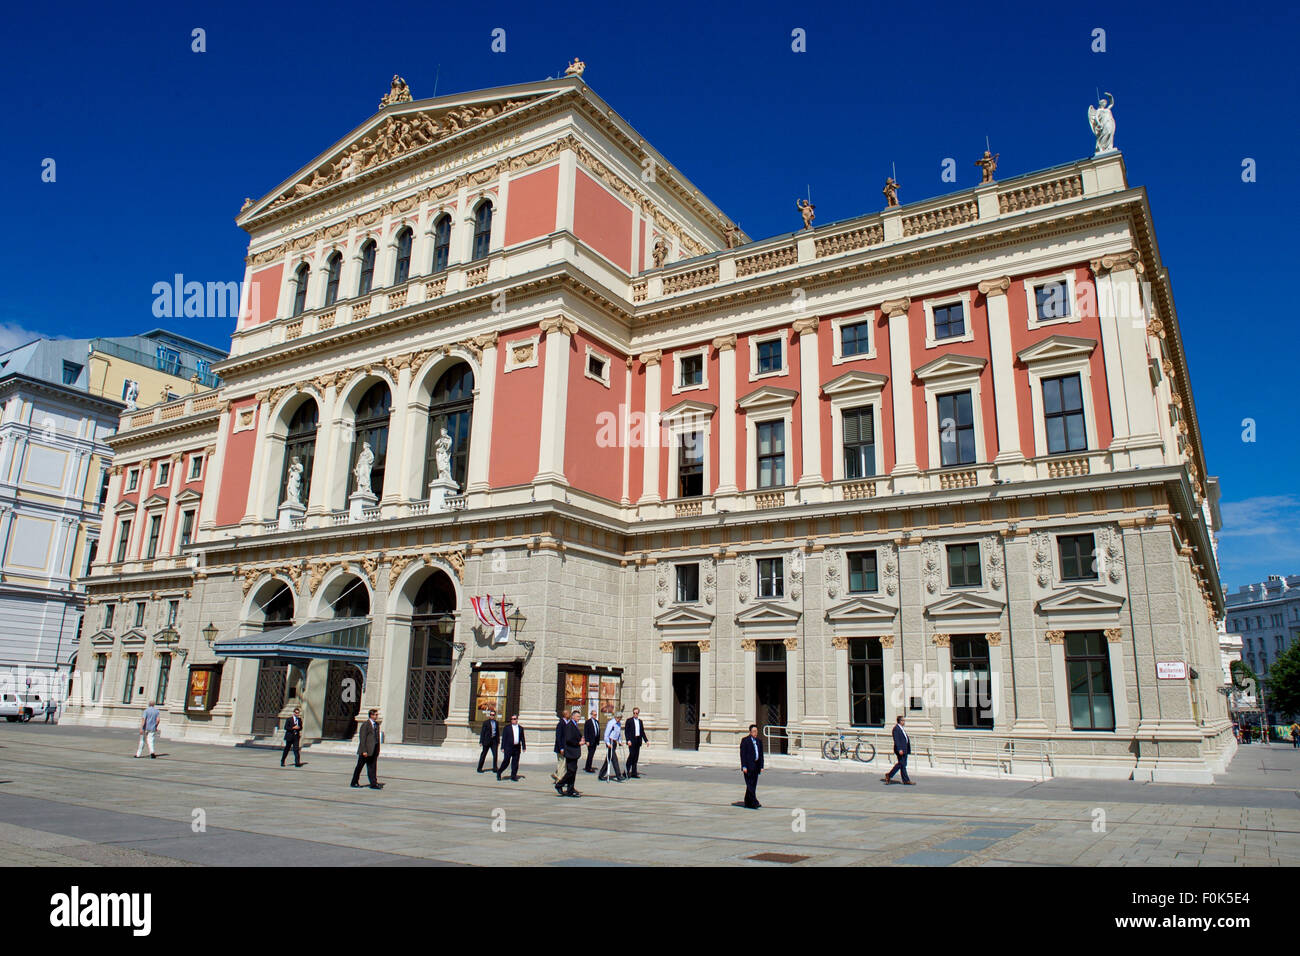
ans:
(517, 416)
(237, 471)
(600, 220)
(877, 366)
(530, 211)
(263, 296)
(744, 387)
(708, 396)
(636, 453)
(1089, 327)
(588, 466)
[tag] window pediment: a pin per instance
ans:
(102, 638)
(688, 411)
(946, 366)
(862, 611)
(767, 614)
(1057, 347)
(855, 383)
(769, 396)
(125, 507)
(155, 501)
(1079, 600)
(965, 606)
(685, 618)
(134, 636)
(189, 495)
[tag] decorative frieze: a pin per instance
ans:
(931, 566)
(1041, 546)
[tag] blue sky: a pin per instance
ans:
(156, 146)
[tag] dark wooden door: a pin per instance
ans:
(342, 701)
(269, 698)
(770, 691)
(686, 711)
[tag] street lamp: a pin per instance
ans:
(210, 633)
(517, 621)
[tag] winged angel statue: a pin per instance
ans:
(1102, 122)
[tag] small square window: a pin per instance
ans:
(596, 366)
(771, 578)
(949, 321)
(688, 583)
(862, 572)
(855, 339)
(692, 370)
(1052, 301)
(769, 356)
(963, 565)
(1077, 562)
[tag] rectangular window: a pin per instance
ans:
(164, 473)
(71, 372)
(173, 610)
(859, 443)
(155, 530)
(688, 583)
(866, 683)
(956, 429)
(862, 572)
(690, 465)
(1087, 670)
(103, 488)
(692, 370)
(97, 686)
(196, 467)
(164, 674)
(596, 367)
(949, 321)
(855, 339)
(133, 479)
(1052, 301)
(169, 360)
(1077, 557)
(963, 565)
(123, 537)
(139, 613)
(1063, 415)
(972, 683)
(686, 652)
(187, 527)
(128, 685)
(771, 581)
(769, 356)
(108, 615)
(771, 454)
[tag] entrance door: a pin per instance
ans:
(686, 711)
(428, 687)
(271, 679)
(770, 691)
(342, 701)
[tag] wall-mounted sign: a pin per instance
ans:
(1171, 670)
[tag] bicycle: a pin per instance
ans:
(864, 751)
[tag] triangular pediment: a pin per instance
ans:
(862, 611)
(155, 501)
(1080, 601)
(684, 616)
(134, 636)
(688, 410)
(124, 507)
(963, 605)
(188, 495)
(102, 638)
(851, 383)
(1057, 347)
(767, 614)
(951, 364)
(398, 131)
(769, 396)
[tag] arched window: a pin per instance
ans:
(335, 265)
(300, 293)
(441, 242)
(402, 269)
(278, 611)
(367, 279)
(371, 428)
(482, 229)
(451, 407)
(353, 600)
(300, 443)
(428, 678)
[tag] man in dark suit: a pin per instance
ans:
(512, 747)
(368, 751)
(635, 735)
(560, 727)
(572, 751)
(489, 738)
(293, 738)
(751, 765)
(902, 747)
(591, 733)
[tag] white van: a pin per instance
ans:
(21, 706)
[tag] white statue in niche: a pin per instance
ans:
(1102, 121)
(365, 462)
(442, 453)
(293, 487)
(132, 392)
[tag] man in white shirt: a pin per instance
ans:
(613, 734)
(635, 735)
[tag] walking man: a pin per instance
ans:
(635, 734)
(49, 710)
(293, 738)
(559, 748)
(148, 729)
(1295, 734)
(613, 734)
(572, 751)
(368, 751)
(512, 747)
(751, 765)
(902, 747)
(591, 733)
(489, 738)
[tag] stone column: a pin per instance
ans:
(810, 481)
(895, 684)
(650, 460)
(1136, 438)
(558, 332)
(168, 545)
(707, 694)
(995, 695)
(727, 490)
(941, 715)
(841, 681)
(1009, 459)
(480, 446)
(906, 473)
(215, 464)
(257, 487)
(795, 704)
(1029, 667)
(328, 439)
(913, 594)
(399, 460)
(750, 648)
(664, 698)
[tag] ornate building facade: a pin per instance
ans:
(813, 480)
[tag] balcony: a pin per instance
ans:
(171, 411)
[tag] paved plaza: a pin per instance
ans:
(74, 796)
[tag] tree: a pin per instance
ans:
(1284, 682)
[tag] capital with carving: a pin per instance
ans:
(559, 323)
(887, 640)
(994, 638)
(1118, 263)
(666, 647)
(651, 358)
(748, 644)
(792, 643)
(488, 340)
(806, 325)
(704, 647)
(941, 640)
(1054, 637)
(893, 307)
(994, 287)
(725, 343)
(1114, 634)
(840, 642)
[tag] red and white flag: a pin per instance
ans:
(493, 616)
